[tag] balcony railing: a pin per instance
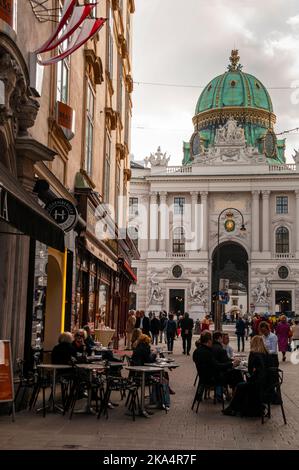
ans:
(283, 255)
(179, 169)
(177, 255)
(286, 168)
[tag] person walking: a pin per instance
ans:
(186, 333)
(205, 324)
(170, 330)
(130, 325)
(155, 328)
(283, 333)
(143, 323)
(295, 335)
(240, 332)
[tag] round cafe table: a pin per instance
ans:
(143, 370)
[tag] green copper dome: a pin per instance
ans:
(234, 88)
(239, 96)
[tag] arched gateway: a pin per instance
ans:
(230, 261)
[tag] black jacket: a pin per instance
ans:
(240, 327)
(186, 325)
(219, 353)
(63, 353)
(155, 326)
(142, 355)
(171, 328)
(145, 325)
(258, 365)
(207, 366)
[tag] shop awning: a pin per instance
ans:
(130, 271)
(20, 210)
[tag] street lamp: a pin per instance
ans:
(218, 313)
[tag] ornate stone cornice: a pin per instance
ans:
(220, 115)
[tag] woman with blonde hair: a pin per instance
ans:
(136, 333)
(247, 399)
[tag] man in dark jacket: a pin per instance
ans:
(143, 323)
(170, 331)
(155, 328)
(240, 332)
(186, 332)
(208, 367)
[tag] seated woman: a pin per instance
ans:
(247, 399)
(64, 352)
(142, 355)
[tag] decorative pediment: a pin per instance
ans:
(94, 67)
(129, 83)
(111, 118)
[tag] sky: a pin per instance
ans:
(187, 43)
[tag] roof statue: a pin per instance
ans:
(157, 159)
(234, 59)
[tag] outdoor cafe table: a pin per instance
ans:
(53, 368)
(99, 367)
(143, 370)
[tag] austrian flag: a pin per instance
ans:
(74, 26)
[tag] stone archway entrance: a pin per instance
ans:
(233, 265)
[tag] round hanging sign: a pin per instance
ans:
(63, 212)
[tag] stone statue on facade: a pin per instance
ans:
(198, 292)
(156, 296)
(157, 159)
(262, 292)
(230, 134)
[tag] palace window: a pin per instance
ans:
(107, 168)
(63, 68)
(179, 203)
(282, 239)
(89, 130)
(133, 206)
(178, 242)
(110, 45)
(282, 204)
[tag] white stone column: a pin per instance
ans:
(153, 228)
(194, 200)
(205, 228)
(143, 209)
(297, 221)
(255, 221)
(164, 221)
(266, 217)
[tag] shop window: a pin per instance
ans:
(39, 296)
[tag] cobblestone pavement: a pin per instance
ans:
(179, 429)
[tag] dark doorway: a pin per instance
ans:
(230, 261)
(177, 301)
(283, 301)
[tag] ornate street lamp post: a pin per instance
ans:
(231, 225)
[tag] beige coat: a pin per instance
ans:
(130, 325)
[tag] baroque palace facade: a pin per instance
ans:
(231, 211)
(64, 134)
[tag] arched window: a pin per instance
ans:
(282, 239)
(178, 242)
(133, 233)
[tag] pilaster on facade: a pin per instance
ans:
(297, 222)
(266, 222)
(205, 228)
(255, 221)
(153, 227)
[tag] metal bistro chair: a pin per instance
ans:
(271, 393)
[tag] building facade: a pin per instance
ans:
(64, 134)
(230, 212)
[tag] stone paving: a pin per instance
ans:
(179, 429)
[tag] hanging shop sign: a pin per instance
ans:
(63, 212)
(65, 116)
(6, 380)
(7, 12)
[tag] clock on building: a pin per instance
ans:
(229, 225)
(195, 144)
(270, 143)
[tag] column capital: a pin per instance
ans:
(153, 194)
(255, 192)
(163, 193)
(204, 194)
(194, 194)
(266, 193)
(297, 193)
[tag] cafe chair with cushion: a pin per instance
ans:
(271, 393)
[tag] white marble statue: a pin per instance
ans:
(156, 295)
(198, 292)
(262, 292)
(230, 134)
(157, 159)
